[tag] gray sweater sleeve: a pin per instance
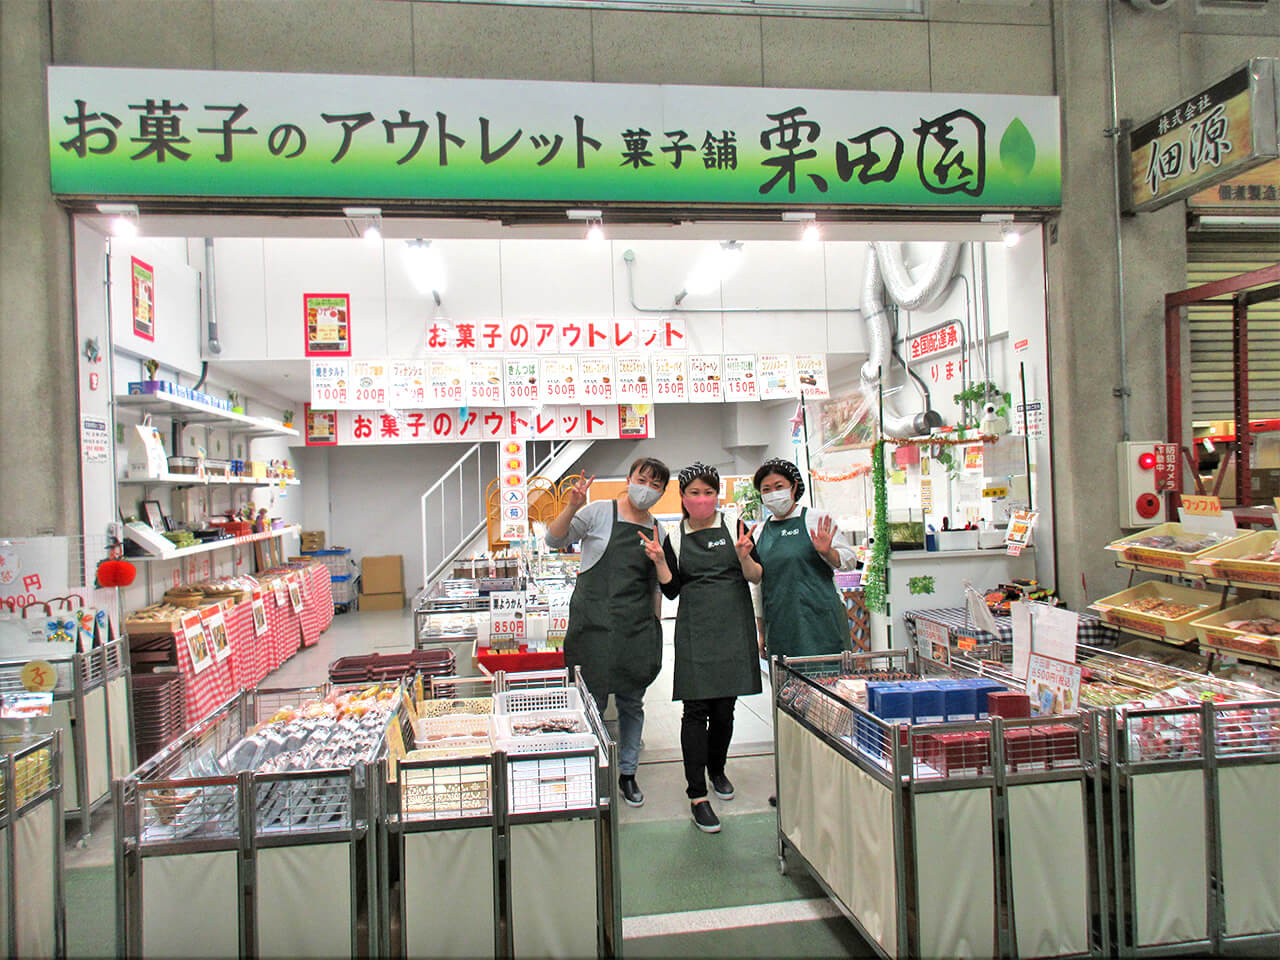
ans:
(592, 525)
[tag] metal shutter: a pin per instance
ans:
(1218, 258)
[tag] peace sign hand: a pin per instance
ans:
(745, 544)
(823, 534)
(653, 548)
(578, 492)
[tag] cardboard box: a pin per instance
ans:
(382, 574)
(393, 600)
(312, 539)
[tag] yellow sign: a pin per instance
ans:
(38, 676)
(1201, 506)
(995, 493)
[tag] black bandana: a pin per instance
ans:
(787, 469)
(699, 471)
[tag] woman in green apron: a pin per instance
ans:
(614, 635)
(799, 550)
(715, 650)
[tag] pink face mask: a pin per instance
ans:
(700, 507)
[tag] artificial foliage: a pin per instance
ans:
(875, 575)
(920, 585)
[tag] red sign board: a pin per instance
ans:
(949, 336)
(1166, 467)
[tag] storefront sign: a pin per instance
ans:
(143, 296)
(38, 676)
(1256, 191)
(740, 377)
(513, 491)
(471, 424)
(326, 319)
(1053, 685)
(670, 378)
(330, 384)
(560, 379)
(1211, 136)
(369, 384)
(633, 379)
(195, 133)
(25, 706)
(811, 372)
(949, 336)
(777, 374)
(704, 379)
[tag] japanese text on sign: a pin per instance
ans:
(949, 336)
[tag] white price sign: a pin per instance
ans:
(448, 377)
(522, 381)
(597, 380)
(330, 384)
(507, 616)
(485, 386)
(704, 378)
(811, 371)
(409, 385)
(740, 377)
(670, 378)
(633, 379)
(560, 379)
(557, 619)
(369, 384)
(777, 376)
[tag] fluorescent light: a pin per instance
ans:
(595, 232)
(124, 218)
(367, 221)
(425, 266)
(583, 214)
(1009, 235)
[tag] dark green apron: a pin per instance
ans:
(614, 634)
(803, 614)
(716, 652)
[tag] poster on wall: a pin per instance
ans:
(449, 378)
(142, 282)
(777, 376)
(321, 426)
(740, 377)
(408, 384)
(369, 383)
(704, 378)
(330, 384)
(597, 379)
(633, 379)
(95, 439)
(484, 381)
(521, 376)
(811, 371)
(560, 379)
(513, 492)
(633, 424)
(326, 319)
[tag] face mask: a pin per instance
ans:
(700, 507)
(779, 502)
(642, 496)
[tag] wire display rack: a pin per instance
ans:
(33, 913)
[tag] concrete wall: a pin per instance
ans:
(1044, 47)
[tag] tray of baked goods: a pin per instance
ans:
(1252, 560)
(1162, 610)
(1170, 546)
(1248, 629)
(164, 619)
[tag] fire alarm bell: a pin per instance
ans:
(1147, 471)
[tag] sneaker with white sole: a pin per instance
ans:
(705, 817)
(722, 785)
(631, 791)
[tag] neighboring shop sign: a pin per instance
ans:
(948, 336)
(326, 319)
(513, 491)
(142, 281)
(472, 424)
(1255, 190)
(191, 133)
(1210, 136)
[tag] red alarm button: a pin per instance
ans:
(1148, 506)
(1147, 461)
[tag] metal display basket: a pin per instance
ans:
(478, 836)
(93, 709)
(33, 913)
(290, 854)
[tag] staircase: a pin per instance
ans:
(453, 508)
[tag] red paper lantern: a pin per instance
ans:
(116, 573)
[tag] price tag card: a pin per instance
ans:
(670, 378)
(369, 384)
(281, 591)
(1194, 506)
(633, 379)
(448, 378)
(811, 371)
(259, 616)
(197, 646)
(330, 384)
(740, 377)
(597, 380)
(1053, 686)
(560, 379)
(704, 378)
(777, 376)
(485, 382)
(558, 619)
(214, 626)
(521, 377)
(408, 389)
(1018, 535)
(507, 618)
(295, 594)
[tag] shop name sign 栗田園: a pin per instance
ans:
(191, 133)
(1203, 139)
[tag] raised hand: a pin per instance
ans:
(823, 534)
(653, 548)
(578, 492)
(745, 544)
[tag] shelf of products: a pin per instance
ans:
(185, 480)
(193, 411)
(163, 551)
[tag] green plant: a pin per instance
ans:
(920, 585)
(875, 576)
(973, 398)
(747, 498)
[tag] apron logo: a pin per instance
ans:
(789, 533)
(716, 543)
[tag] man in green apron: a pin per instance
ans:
(614, 635)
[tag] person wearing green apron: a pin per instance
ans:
(614, 635)
(799, 551)
(715, 649)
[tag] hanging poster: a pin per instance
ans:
(633, 379)
(670, 378)
(215, 633)
(331, 384)
(777, 376)
(327, 324)
(321, 426)
(197, 646)
(295, 593)
(142, 281)
(740, 377)
(521, 376)
(597, 380)
(95, 439)
(634, 425)
(704, 378)
(408, 386)
(484, 381)
(449, 378)
(513, 495)
(369, 383)
(811, 371)
(560, 379)
(259, 616)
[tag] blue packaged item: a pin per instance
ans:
(873, 690)
(959, 700)
(927, 703)
(894, 704)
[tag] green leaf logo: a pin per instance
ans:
(1017, 150)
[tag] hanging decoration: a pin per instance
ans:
(859, 471)
(945, 441)
(873, 577)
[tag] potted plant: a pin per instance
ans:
(237, 405)
(286, 419)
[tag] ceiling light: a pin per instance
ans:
(811, 233)
(583, 214)
(712, 269)
(595, 232)
(426, 267)
(367, 221)
(124, 218)
(1009, 235)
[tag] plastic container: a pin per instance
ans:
(1115, 610)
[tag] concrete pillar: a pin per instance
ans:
(39, 437)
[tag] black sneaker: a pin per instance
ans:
(705, 817)
(722, 785)
(631, 791)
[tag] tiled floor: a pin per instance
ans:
(685, 893)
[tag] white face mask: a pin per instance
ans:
(642, 496)
(779, 502)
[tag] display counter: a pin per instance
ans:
(33, 914)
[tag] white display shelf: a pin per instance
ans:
(191, 411)
(191, 480)
(165, 551)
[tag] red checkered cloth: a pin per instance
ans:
(203, 690)
(285, 630)
(240, 633)
(317, 603)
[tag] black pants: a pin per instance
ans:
(705, 731)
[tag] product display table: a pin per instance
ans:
(1092, 631)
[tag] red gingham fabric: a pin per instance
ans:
(203, 690)
(240, 632)
(317, 603)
